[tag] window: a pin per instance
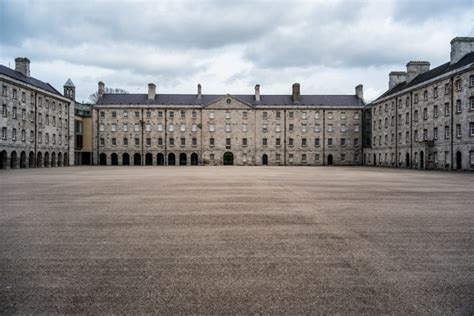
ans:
(160, 141)
(4, 132)
(330, 128)
(386, 122)
(101, 127)
(471, 156)
(435, 133)
(446, 109)
(317, 128)
(125, 114)
(171, 141)
(329, 141)
(211, 141)
(171, 114)
(290, 115)
(425, 95)
(102, 142)
(211, 114)
(125, 141)
(458, 85)
(194, 114)
(425, 134)
(137, 127)
(343, 142)
(304, 115)
(23, 97)
(435, 111)
(330, 117)
(265, 128)
(125, 127)
(415, 135)
(160, 127)
(14, 114)
(343, 128)
(32, 136)
(4, 91)
(303, 157)
(114, 114)
(446, 88)
(227, 114)
(114, 141)
(415, 116)
(471, 81)
(458, 131)
(244, 114)
(343, 157)
(183, 141)
(278, 114)
(356, 128)
(148, 114)
(15, 94)
(244, 141)
(471, 102)
(264, 142)
(194, 127)
(290, 142)
(171, 127)
(211, 128)
(114, 127)
(425, 114)
(446, 132)
(278, 157)
(160, 114)
(343, 115)
(290, 127)
(304, 128)
(264, 115)
(471, 128)
(435, 92)
(316, 142)
(47, 138)
(194, 141)
(356, 142)
(182, 127)
(183, 114)
(228, 127)
(303, 142)
(102, 113)
(407, 137)
(458, 106)
(356, 116)
(407, 101)
(244, 127)
(316, 115)
(137, 141)
(277, 142)
(4, 110)
(227, 142)
(415, 98)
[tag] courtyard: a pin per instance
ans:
(220, 240)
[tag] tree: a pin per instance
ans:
(95, 96)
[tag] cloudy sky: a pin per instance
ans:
(228, 46)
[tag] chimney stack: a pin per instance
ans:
(199, 90)
(415, 68)
(22, 64)
(151, 92)
(296, 92)
(101, 89)
(396, 77)
(257, 92)
(359, 90)
(460, 47)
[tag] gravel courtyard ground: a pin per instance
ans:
(236, 240)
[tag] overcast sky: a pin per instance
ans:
(229, 46)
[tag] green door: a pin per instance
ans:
(228, 159)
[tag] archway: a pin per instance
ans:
(137, 159)
(125, 159)
(265, 159)
(46, 159)
(375, 159)
(228, 159)
(39, 160)
(407, 160)
(31, 160)
(66, 162)
(13, 160)
(114, 159)
(103, 159)
(171, 159)
(60, 160)
(149, 159)
(53, 159)
(458, 160)
(23, 160)
(194, 159)
(183, 159)
(422, 160)
(4, 160)
(160, 159)
(330, 160)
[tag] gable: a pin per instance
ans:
(228, 102)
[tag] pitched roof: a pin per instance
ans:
(29, 80)
(192, 99)
(430, 74)
(69, 83)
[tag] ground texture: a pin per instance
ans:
(220, 240)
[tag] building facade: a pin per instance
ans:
(426, 118)
(201, 129)
(36, 121)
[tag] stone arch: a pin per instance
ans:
(458, 160)
(46, 159)
(23, 163)
(330, 160)
(53, 159)
(114, 159)
(137, 159)
(194, 159)
(160, 159)
(171, 159)
(66, 161)
(39, 160)
(4, 160)
(60, 159)
(31, 160)
(103, 159)
(148, 159)
(183, 159)
(264, 160)
(125, 159)
(228, 158)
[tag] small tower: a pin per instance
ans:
(70, 90)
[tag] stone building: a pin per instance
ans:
(426, 118)
(36, 121)
(203, 129)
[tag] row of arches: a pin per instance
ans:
(421, 163)
(136, 159)
(30, 160)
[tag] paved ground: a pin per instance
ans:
(236, 240)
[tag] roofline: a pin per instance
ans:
(199, 106)
(30, 86)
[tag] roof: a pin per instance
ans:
(430, 74)
(29, 80)
(69, 83)
(193, 100)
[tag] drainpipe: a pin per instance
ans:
(396, 134)
(411, 129)
(202, 157)
(165, 158)
(98, 137)
(142, 123)
(284, 137)
(451, 88)
(36, 131)
(324, 137)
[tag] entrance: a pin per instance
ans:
(407, 160)
(194, 159)
(422, 160)
(265, 160)
(183, 159)
(458, 160)
(228, 159)
(102, 159)
(171, 159)
(114, 159)
(330, 160)
(375, 159)
(160, 159)
(125, 159)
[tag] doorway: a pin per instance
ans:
(330, 160)
(458, 160)
(265, 160)
(228, 159)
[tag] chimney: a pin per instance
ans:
(199, 90)
(296, 92)
(415, 68)
(396, 77)
(22, 64)
(151, 92)
(460, 47)
(101, 89)
(359, 89)
(257, 92)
